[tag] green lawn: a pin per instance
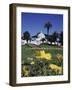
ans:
(32, 66)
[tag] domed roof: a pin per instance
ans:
(41, 35)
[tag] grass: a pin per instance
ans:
(32, 66)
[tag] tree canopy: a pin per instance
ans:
(26, 36)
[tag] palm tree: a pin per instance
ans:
(48, 25)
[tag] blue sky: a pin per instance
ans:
(34, 23)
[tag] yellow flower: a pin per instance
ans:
(59, 57)
(40, 54)
(55, 68)
(32, 62)
(26, 73)
(25, 70)
(44, 55)
(48, 56)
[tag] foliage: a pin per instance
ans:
(26, 36)
(61, 38)
(54, 36)
(41, 62)
(43, 39)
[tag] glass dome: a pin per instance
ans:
(41, 35)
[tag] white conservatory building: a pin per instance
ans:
(36, 41)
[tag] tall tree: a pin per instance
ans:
(48, 25)
(61, 38)
(55, 36)
(26, 36)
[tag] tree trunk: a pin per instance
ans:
(27, 41)
(47, 33)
